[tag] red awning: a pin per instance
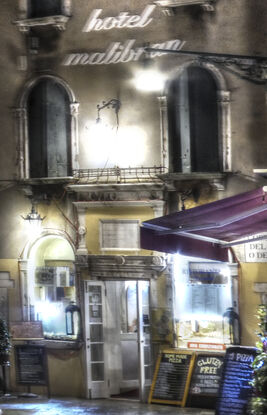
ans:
(207, 230)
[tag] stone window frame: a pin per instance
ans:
(59, 22)
(224, 117)
(22, 133)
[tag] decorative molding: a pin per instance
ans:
(124, 267)
(155, 204)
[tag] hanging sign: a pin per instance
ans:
(236, 389)
(172, 376)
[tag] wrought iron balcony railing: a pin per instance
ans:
(118, 175)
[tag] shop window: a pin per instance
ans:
(37, 8)
(54, 291)
(193, 122)
(49, 130)
(119, 235)
(203, 292)
(51, 286)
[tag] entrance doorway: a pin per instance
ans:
(118, 339)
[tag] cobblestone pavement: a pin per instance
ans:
(69, 406)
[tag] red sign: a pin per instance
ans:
(206, 346)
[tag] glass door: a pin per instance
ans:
(144, 346)
(95, 347)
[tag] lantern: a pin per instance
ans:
(73, 320)
(231, 326)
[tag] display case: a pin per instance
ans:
(205, 302)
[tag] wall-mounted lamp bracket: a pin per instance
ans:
(250, 68)
(113, 103)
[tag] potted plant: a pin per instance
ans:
(259, 401)
(5, 343)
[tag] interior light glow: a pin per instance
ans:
(45, 310)
(129, 147)
(200, 317)
(149, 80)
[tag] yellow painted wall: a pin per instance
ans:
(249, 300)
(14, 306)
(92, 224)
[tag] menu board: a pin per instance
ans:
(172, 376)
(205, 381)
(235, 389)
(31, 365)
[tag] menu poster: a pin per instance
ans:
(172, 376)
(205, 380)
(235, 389)
(31, 365)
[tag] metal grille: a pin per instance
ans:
(119, 175)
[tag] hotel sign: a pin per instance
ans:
(118, 52)
(123, 20)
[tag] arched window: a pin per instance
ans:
(49, 130)
(194, 122)
(38, 8)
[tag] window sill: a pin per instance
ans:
(57, 344)
(48, 180)
(59, 22)
(215, 179)
(168, 5)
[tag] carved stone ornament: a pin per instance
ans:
(128, 266)
(82, 230)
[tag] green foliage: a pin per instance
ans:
(5, 342)
(259, 401)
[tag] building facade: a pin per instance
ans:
(106, 124)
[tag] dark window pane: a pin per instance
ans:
(43, 8)
(203, 120)
(193, 121)
(49, 130)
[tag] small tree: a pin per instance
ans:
(5, 342)
(259, 401)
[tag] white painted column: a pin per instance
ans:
(164, 133)
(223, 100)
(82, 249)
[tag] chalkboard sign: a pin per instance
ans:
(205, 381)
(172, 375)
(31, 365)
(235, 389)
